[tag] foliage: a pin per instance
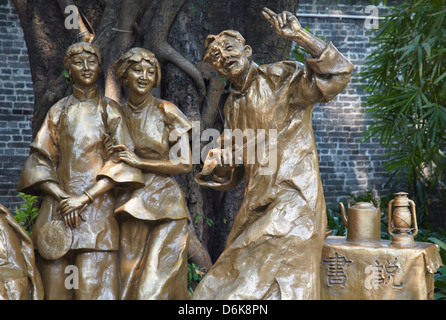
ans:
(195, 275)
(428, 234)
(440, 284)
(430, 197)
(67, 77)
(208, 221)
(405, 79)
(334, 222)
(27, 214)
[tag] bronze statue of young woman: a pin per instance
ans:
(68, 163)
(153, 219)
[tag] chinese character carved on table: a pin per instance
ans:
(336, 273)
(382, 275)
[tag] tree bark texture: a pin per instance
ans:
(175, 30)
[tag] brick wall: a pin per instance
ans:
(16, 104)
(347, 166)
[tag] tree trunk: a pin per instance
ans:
(193, 24)
(175, 31)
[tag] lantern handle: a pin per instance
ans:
(414, 218)
(389, 218)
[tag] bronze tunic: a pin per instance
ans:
(274, 248)
(69, 150)
(150, 126)
(154, 218)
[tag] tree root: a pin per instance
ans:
(197, 252)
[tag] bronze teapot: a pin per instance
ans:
(363, 222)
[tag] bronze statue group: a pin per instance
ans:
(105, 173)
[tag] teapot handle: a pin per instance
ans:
(343, 215)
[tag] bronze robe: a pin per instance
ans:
(154, 218)
(19, 277)
(69, 150)
(274, 248)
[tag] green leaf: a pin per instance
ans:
(427, 48)
(404, 77)
(299, 56)
(438, 241)
(27, 214)
(440, 78)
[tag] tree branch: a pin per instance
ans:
(156, 38)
